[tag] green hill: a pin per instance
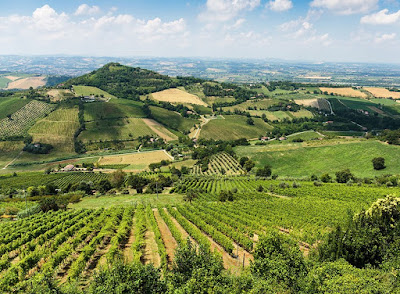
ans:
(124, 81)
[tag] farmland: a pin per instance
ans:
(382, 93)
(21, 120)
(232, 127)
(10, 105)
(135, 161)
(88, 91)
(172, 119)
(305, 159)
(349, 92)
(177, 96)
(26, 83)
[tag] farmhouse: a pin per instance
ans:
(68, 168)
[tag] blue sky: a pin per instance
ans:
(314, 30)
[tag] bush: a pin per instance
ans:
(29, 211)
(378, 163)
(264, 172)
(326, 178)
(344, 176)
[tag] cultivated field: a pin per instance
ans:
(349, 92)
(120, 108)
(220, 164)
(382, 93)
(136, 161)
(87, 91)
(59, 94)
(115, 129)
(26, 83)
(177, 96)
(57, 129)
(173, 119)
(307, 102)
(160, 130)
(327, 156)
(234, 127)
(24, 118)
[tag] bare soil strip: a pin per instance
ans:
(169, 241)
(150, 253)
(127, 247)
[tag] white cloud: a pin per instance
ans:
(85, 9)
(225, 10)
(385, 37)
(346, 6)
(47, 31)
(280, 5)
(381, 18)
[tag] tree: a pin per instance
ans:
(190, 196)
(264, 172)
(249, 165)
(225, 196)
(278, 259)
(137, 182)
(250, 121)
(344, 176)
(103, 186)
(326, 178)
(118, 178)
(378, 163)
(243, 160)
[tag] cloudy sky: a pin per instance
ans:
(314, 30)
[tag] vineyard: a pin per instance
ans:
(220, 164)
(23, 119)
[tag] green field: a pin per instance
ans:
(300, 160)
(115, 129)
(234, 127)
(172, 119)
(120, 108)
(87, 91)
(9, 105)
(57, 128)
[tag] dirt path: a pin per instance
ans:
(180, 228)
(169, 241)
(12, 161)
(152, 124)
(127, 247)
(150, 252)
(196, 133)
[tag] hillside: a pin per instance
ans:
(123, 81)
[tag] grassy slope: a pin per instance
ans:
(87, 90)
(299, 160)
(120, 108)
(57, 128)
(115, 129)
(234, 127)
(10, 105)
(172, 119)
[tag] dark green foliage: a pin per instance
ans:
(128, 278)
(250, 121)
(225, 196)
(248, 165)
(279, 260)
(137, 182)
(368, 237)
(103, 186)
(47, 204)
(243, 160)
(326, 178)
(264, 172)
(344, 176)
(118, 178)
(38, 148)
(378, 163)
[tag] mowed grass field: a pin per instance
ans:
(177, 96)
(120, 108)
(9, 105)
(57, 128)
(349, 92)
(305, 159)
(234, 127)
(87, 91)
(382, 93)
(137, 161)
(173, 119)
(115, 129)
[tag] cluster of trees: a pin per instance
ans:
(246, 163)
(391, 136)
(38, 148)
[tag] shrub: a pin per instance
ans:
(344, 176)
(326, 178)
(378, 163)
